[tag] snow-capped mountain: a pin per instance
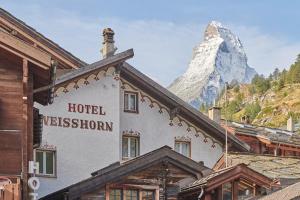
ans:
(218, 59)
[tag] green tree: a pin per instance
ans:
(260, 83)
(252, 109)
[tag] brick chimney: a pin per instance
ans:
(108, 48)
(214, 113)
(245, 119)
(290, 125)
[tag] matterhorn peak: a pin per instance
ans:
(219, 58)
(212, 30)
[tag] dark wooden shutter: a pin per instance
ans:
(37, 127)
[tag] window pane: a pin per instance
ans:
(115, 194)
(184, 148)
(49, 162)
(126, 102)
(39, 159)
(133, 147)
(131, 194)
(227, 191)
(125, 147)
(147, 195)
(177, 147)
(132, 102)
(245, 191)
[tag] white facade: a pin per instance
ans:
(81, 151)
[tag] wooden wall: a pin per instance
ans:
(11, 122)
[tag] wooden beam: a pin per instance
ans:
(25, 128)
(50, 50)
(22, 49)
(107, 62)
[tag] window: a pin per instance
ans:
(245, 190)
(46, 160)
(183, 147)
(130, 147)
(148, 195)
(131, 102)
(227, 191)
(115, 194)
(131, 194)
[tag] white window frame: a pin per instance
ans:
(129, 94)
(44, 162)
(180, 147)
(128, 138)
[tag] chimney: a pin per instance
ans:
(245, 119)
(214, 113)
(290, 125)
(108, 48)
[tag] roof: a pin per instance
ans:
(274, 167)
(272, 134)
(169, 99)
(288, 193)
(217, 178)
(40, 37)
(117, 171)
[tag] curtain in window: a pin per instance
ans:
(148, 195)
(185, 149)
(132, 102)
(131, 194)
(134, 147)
(125, 147)
(126, 102)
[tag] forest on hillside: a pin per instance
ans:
(267, 101)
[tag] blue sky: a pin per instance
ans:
(163, 33)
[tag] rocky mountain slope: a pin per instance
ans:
(218, 59)
(271, 108)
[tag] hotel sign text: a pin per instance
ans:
(66, 122)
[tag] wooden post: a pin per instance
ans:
(106, 192)
(25, 130)
(207, 196)
(219, 192)
(157, 193)
(235, 190)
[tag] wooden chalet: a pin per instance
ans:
(28, 61)
(156, 175)
(261, 139)
(265, 140)
(232, 183)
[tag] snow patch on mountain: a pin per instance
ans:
(218, 59)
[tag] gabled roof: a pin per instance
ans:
(229, 174)
(275, 167)
(169, 99)
(160, 93)
(291, 192)
(117, 171)
(274, 135)
(40, 37)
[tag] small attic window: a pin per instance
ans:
(131, 102)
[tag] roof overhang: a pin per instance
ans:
(11, 24)
(116, 173)
(240, 171)
(39, 62)
(170, 100)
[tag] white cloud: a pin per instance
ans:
(264, 51)
(162, 49)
